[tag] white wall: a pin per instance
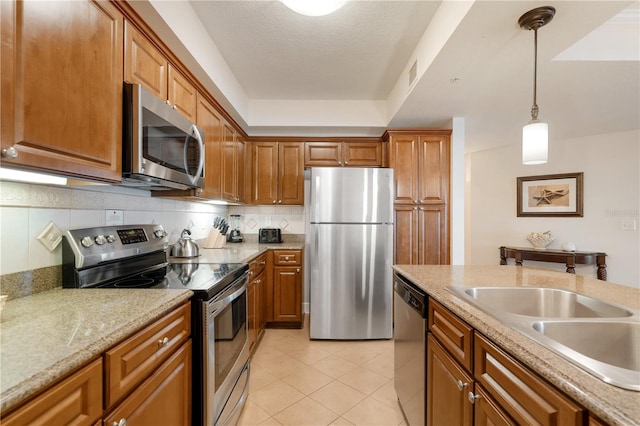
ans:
(611, 166)
(25, 209)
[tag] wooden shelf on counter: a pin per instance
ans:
(569, 258)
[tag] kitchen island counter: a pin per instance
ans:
(45, 336)
(612, 404)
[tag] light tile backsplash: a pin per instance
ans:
(25, 209)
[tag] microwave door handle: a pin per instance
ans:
(196, 134)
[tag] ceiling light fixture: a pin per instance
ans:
(314, 7)
(535, 135)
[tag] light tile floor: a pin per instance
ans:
(298, 381)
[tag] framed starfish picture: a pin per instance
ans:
(550, 195)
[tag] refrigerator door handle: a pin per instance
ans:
(315, 247)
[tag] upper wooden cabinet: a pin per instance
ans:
(145, 64)
(341, 154)
(277, 173)
(61, 85)
(232, 165)
(211, 122)
(421, 166)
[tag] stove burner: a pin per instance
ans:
(138, 282)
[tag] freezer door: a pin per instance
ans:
(351, 195)
(351, 281)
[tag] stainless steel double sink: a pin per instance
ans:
(598, 336)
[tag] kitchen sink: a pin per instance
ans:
(600, 337)
(612, 342)
(541, 302)
(608, 349)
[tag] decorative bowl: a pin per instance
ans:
(540, 240)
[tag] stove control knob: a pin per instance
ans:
(160, 233)
(86, 241)
(100, 240)
(111, 238)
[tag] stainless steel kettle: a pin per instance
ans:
(185, 246)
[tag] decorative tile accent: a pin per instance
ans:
(50, 236)
(251, 224)
(284, 224)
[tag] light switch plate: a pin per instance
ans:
(628, 225)
(50, 236)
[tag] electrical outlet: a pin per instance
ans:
(628, 225)
(267, 221)
(113, 217)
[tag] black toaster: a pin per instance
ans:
(269, 235)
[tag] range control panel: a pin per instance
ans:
(91, 246)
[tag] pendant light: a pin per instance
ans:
(535, 135)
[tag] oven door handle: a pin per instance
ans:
(230, 294)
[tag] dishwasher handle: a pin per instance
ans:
(412, 296)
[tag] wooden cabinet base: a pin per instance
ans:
(163, 399)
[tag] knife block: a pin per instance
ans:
(215, 239)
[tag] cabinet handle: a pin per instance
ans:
(121, 422)
(168, 102)
(339, 163)
(461, 385)
(10, 152)
(264, 262)
(346, 163)
(163, 342)
(298, 270)
(279, 201)
(472, 398)
(286, 258)
(274, 201)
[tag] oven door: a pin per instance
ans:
(226, 352)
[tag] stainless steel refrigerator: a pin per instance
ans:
(350, 248)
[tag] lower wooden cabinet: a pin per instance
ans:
(287, 287)
(147, 381)
(162, 399)
(493, 389)
(76, 400)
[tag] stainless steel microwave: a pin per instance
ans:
(161, 148)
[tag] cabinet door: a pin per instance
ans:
(433, 169)
(432, 235)
(290, 173)
(362, 154)
(264, 175)
(210, 121)
(448, 386)
(163, 399)
(182, 94)
(143, 63)
(328, 154)
(76, 400)
(406, 234)
(251, 314)
(229, 164)
(287, 293)
(403, 158)
(487, 412)
(61, 85)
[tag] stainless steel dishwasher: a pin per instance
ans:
(410, 334)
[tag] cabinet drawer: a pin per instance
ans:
(454, 334)
(163, 399)
(257, 265)
(127, 364)
(76, 400)
(524, 396)
(287, 257)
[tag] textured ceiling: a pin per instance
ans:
(280, 73)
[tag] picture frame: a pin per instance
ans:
(556, 195)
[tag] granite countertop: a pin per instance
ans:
(47, 335)
(612, 404)
(236, 253)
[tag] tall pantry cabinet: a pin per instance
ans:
(421, 163)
